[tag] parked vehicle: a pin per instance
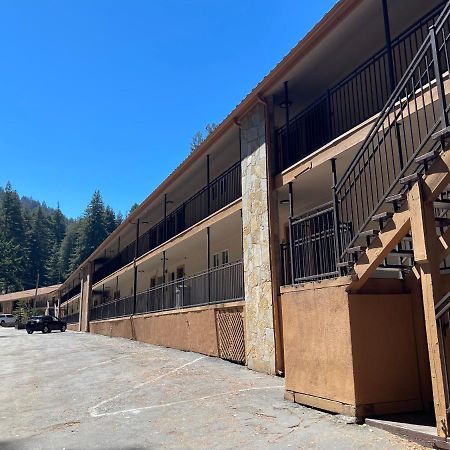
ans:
(7, 320)
(46, 324)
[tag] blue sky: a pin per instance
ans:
(107, 94)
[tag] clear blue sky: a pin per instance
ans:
(107, 94)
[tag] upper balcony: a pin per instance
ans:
(214, 182)
(348, 78)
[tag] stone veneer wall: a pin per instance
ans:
(260, 339)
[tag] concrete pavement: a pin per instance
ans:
(84, 391)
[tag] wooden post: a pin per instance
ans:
(424, 237)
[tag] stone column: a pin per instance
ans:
(260, 337)
(86, 297)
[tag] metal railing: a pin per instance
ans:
(72, 318)
(76, 289)
(221, 191)
(217, 285)
(403, 131)
(354, 99)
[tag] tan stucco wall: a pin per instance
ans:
(317, 342)
(358, 350)
(191, 330)
(384, 349)
(73, 326)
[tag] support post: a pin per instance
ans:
(208, 261)
(291, 243)
(439, 81)
(86, 297)
(387, 37)
(424, 237)
(337, 234)
(136, 254)
(164, 279)
(207, 184)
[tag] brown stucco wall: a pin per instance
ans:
(317, 342)
(351, 353)
(184, 330)
(72, 326)
(384, 353)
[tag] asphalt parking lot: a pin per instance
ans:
(83, 391)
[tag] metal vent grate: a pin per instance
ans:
(230, 327)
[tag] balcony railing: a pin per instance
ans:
(356, 98)
(221, 191)
(75, 290)
(217, 285)
(72, 318)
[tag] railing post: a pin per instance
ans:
(136, 252)
(387, 36)
(291, 244)
(208, 259)
(438, 75)
(337, 235)
(208, 181)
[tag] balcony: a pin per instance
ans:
(357, 97)
(220, 192)
(217, 285)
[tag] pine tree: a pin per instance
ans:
(13, 239)
(110, 220)
(67, 253)
(40, 248)
(119, 219)
(93, 228)
(58, 226)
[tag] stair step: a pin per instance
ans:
(357, 249)
(407, 238)
(396, 198)
(410, 178)
(426, 157)
(369, 233)
(442, 134)
(382, 216)
(404, 253)
(442, 204)
(395, 266)
(442, 221)
(345, 264)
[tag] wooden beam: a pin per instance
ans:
(423, 232)
(394, 231)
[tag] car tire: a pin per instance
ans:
(46, 329)
(2, 323)
(63, 328)
(30, 331)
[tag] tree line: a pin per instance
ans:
(41, 241)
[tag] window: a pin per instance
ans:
(224, 257)
(216, 260)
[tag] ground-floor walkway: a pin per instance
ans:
(84, 391)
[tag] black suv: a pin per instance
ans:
(45, 324)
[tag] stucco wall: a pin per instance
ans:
(186, 330)
(357, 350)
(73, 326)
(317, 342)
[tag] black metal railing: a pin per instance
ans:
(217, 285)
(221, 191)
(75, 290)
(356, 98)
(442, 314)
(403, 131)
(72, 318)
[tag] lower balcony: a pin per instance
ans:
(217, 285)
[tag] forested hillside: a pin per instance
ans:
(36, 239)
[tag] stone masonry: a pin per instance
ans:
(260, 340)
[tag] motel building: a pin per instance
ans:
(308, 236)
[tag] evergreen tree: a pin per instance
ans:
(119, 219)
(40, 249)
(58, 226)
(93, 228)
(13, 240)
(67, 253)
(110, 220)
